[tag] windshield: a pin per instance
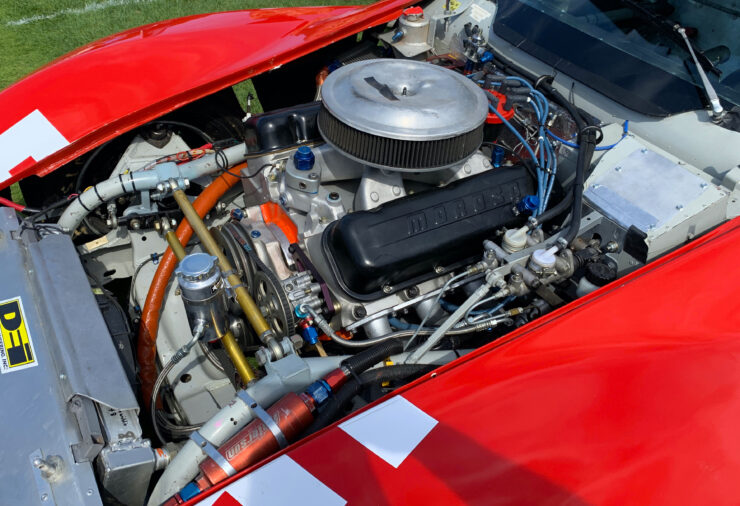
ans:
(628, 50)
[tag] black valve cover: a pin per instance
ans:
(402, 242)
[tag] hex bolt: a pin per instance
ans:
(333, 197)
(359, 311)
(255, 234)
(439, 269)
(387, 289)
(412, 292)
(612, 247)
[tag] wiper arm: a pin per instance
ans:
(717, 110)
(669, 28)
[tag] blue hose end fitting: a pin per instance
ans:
(304, 158)
(310, 334)
(237, 214)
(319, 391)
(497, 157)
(486, 57)
(189, 491)
(528, 204)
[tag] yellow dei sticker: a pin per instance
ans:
(16, 346)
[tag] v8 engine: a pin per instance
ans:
(215, 287)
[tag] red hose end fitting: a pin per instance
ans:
(335, 379)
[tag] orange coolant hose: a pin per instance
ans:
(147, 339)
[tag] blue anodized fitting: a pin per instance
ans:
(304, 158)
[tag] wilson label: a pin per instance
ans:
(16, 345)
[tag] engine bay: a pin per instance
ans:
(224, 285)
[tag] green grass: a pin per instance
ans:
(28, 46)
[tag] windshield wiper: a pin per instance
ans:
(717, 110)
(668, 27)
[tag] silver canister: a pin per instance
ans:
(203, 292)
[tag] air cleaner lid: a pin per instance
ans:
(404, 99)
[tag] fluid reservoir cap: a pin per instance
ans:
(600, 274)
(304, 158)
(515, 239)
(197, 267)
(545, 258)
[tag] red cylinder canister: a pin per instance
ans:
(292, 413)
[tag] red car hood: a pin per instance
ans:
(630, 395)
(115, 84)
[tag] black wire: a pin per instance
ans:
(222, 161)
(253, 175)
(88, 163)
(29, 210)
(193, 128)
(59, 203)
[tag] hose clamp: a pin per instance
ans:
(212, 453)
(264, 416)
(231, 289)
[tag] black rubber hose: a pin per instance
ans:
(559, 208)
(336, 403)
(587, 143)
(364, 360)
(394, 373)
(333, 406)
